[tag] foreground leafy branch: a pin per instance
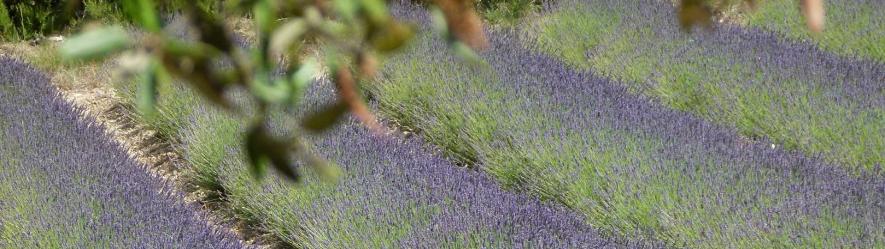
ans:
(352, 34)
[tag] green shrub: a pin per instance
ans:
(506, 11)
(29, 19)
(6, 25)
(22, 20)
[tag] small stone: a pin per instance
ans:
(56, 38)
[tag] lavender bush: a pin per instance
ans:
(791, 93)
(632, 166)
(64, 184)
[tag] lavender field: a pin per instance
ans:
(631, 166)
(396, 193)
(586, 124)
(64, 184)
(794, 94)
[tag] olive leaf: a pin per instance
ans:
(144, 13)
(694, 13)
(392, 37)
(95, 44)
(276, 91)
(264, 16)
(301, 79)
(197, 72)
(359, 33)
(261, 148)
(346, 9)
(286, 36)
(328, 171)
(211, 31)
(465, 52)
(147, 90)
(325, 118)
(255, 153)
(376, 10)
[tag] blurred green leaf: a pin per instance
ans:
(376, 10)
(337, 29)
(287, 35)
(193, 50)
(270, 91)
(393, 36)
(147, 90)
(304, 76)
(197, 73)
(327, 117)
(465, 52)
(211, 30)
(693, 13)
(346, 8)
(239, 4)
(144, 12)
(255, 153)
(329, 171)
(264, 16)
(261, 148)
(438, 20)
(313, 16)
(302, 79)
(95, 44)
(281, 163)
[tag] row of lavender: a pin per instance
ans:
(394, 194)
(789, 92)
(631, 166)
(64, 184)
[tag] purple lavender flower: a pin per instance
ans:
(65, 184)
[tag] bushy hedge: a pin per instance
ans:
(29, 19)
